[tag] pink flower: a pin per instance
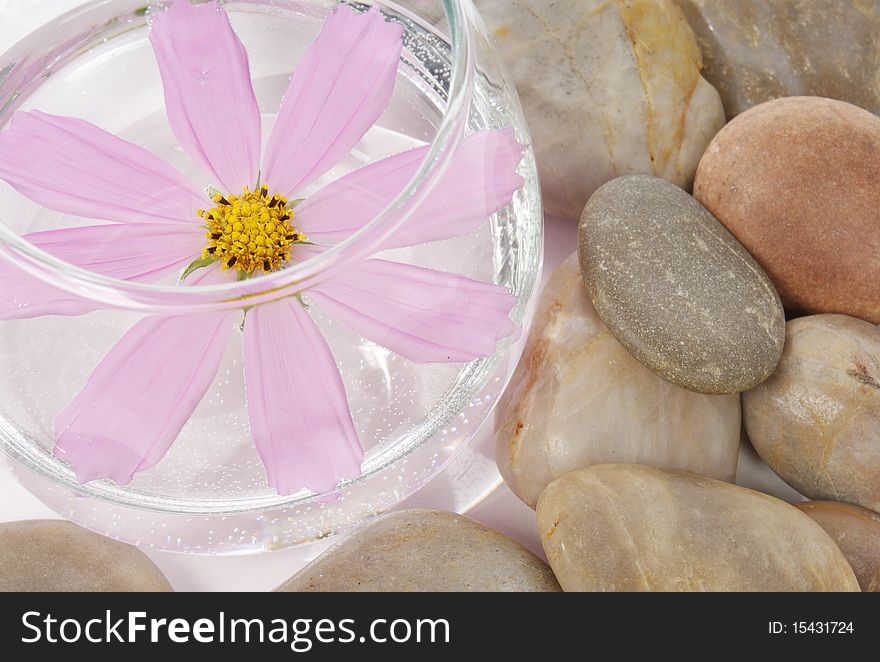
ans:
(142, 393)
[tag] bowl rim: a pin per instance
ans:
(172, 299)
(475, 375)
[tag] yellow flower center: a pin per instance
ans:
(251, 231)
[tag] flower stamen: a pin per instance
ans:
(250, 231)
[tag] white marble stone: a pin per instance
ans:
(609, 88)
(579, 398)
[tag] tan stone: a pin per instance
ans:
(816, 421)
(617, 527)
(424, 551)
(579, 398)
(430, 11)
(759, 50)
(857, 532)
(609, 87)
(58, 556)
(797, 182)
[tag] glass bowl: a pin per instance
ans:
(210, 493)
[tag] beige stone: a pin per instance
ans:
(816, 421)
(797, 182)
(430, 11)
(617, 527)
(857, 532)
(424, 551)
(58, 556)
(759, 50)
(609, 87)
(579, 398)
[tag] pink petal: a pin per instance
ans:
(140, 396)
(339, 89)
(209, 96)
(138, 251)
(23, 297)
(142, 252)
(424, 315)
(298, 409)
(480, 180)
(73, 167)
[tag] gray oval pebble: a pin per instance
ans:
(677, 289)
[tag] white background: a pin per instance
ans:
(500, 510)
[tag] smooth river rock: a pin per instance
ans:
(797, 181)
(816, 422)
(429, 11)
(676, 289)
(759, 50)
(58, 556)
(425, 551)
(628, 527)
(579, 398)
(609, 87)
(857, 532)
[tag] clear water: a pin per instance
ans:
(115, 84)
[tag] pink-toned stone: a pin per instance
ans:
(797, 182)
(857, 532)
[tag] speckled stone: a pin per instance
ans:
(759, 50)
(57, 556)
(676, 288)
(424, 551)
(430, 11)
(857, 532)
(578, 398)
(626, 527)
(797, 182)
(816, 422)
(609, 87)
